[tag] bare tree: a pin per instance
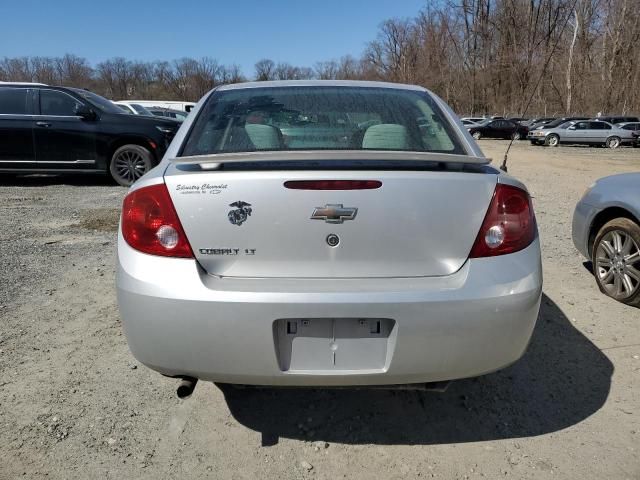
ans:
(576, 27)
(265, 70)
(393, 55)
(481, 56)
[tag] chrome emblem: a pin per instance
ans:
(331, 213)
(240, 214)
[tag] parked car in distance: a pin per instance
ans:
(557, 122)
(174, 105)
(498, 129)
(178, 115)
(618, 119)
(538, 122)
(553, 123)
(474, 119)
(606, 230)
(60, 129)
(373, 244)
(134, 108)
(592, 132)
(635, 130)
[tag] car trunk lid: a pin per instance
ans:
(248, 223)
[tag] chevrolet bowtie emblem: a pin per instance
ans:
(334, 213)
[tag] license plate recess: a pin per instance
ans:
(332, 344)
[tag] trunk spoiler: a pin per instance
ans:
(213, 161)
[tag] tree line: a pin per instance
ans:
(481, 56)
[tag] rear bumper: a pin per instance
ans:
(180, 321)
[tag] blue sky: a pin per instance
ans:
(233, 31)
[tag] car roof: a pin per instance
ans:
(320, 83)
(599, 120)
(22, 84)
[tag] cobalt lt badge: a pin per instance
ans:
(239, 215)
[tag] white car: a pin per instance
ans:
(133, 108)
(174, 105)
(324, 233)
(473, 119)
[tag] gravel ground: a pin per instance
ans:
(75, 404)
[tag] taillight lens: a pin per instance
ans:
(150, 223)
(509, 225)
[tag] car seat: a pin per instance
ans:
(385, 136)
(264, 137)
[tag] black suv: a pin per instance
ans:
(60, 129)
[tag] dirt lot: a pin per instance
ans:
(75, 404)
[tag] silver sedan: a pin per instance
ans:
(606, 231)
(589, 132)
(316, 233)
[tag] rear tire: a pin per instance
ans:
(129, 163)
(613, 142)
(616, 260)
(476, 135)
(552, 140)
(516, 136)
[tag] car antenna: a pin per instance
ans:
(503, 166)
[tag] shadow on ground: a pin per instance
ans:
(562, 379)
(44, 180)
(588, 266)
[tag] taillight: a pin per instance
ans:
(509, 225)
(150, 223)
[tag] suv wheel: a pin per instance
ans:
(516, 136)
(477, 135)
(613, 142)
(552, 140)
(616, 260)
(129, 163)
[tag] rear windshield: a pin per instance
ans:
(320, 118)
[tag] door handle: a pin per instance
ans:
(43, 124)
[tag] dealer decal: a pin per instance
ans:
(204, 188)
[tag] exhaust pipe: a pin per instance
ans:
(186, 387)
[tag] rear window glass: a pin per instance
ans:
(320, 118)
(13, 101)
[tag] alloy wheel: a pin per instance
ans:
(130, 165)
(617, 264)
(613, 142)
